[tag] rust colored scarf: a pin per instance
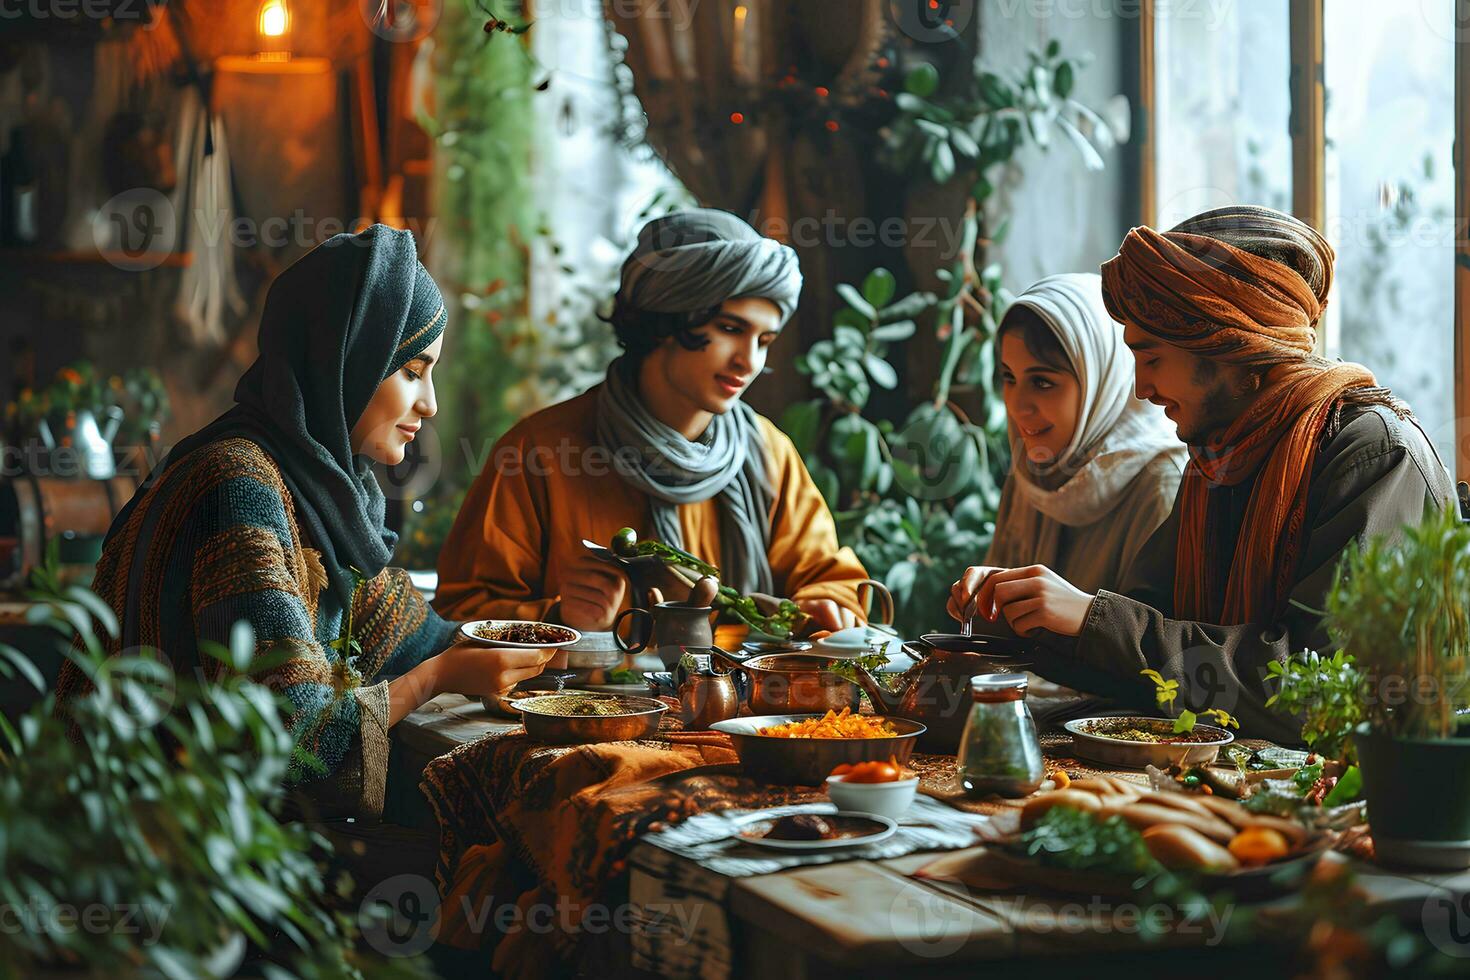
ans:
(1221, 302)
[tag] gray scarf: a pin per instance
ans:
(728, 461)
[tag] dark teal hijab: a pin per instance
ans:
(337, 322)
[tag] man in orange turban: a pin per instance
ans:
(1292, 458)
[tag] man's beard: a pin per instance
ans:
(1220, 403)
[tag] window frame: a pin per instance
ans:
(1307, 81)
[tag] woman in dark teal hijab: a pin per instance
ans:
(337, 323)
(271, 515)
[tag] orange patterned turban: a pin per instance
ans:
(1241, 285)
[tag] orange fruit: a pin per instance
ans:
(1259, 845)
(873, 772)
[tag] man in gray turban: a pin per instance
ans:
(664, 445)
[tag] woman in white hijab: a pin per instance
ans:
(1094, 470)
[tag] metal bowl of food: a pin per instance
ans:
(544, 683)
(808, 761)
(575, 718)
(593, 651)
(1138, 742)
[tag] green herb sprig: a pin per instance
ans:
(1167, 690)
(787, 618)
(1325, 692)
(781, 623)
(1069, 838)
(345, 674)
(1081, 841)
(626, 544)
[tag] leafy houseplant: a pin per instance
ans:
(142, 396)
(916, 500)
(139, 394)
(75, 388)
(1326, 693)
(483, 126)
(1397, 606)
(147, 841)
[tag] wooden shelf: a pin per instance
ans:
(248, 64)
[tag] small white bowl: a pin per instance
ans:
(889, 800)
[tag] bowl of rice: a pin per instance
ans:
(802, 750)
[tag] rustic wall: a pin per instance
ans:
(290, 184)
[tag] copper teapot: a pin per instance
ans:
(936, 689)
(705, 695)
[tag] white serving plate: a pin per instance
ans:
(467, 632)
(889, 828)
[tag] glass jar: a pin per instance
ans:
(999, 752)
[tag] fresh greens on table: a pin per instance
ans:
(1348, 788)
(1075, 839)
(1078, 840)
(1307, 787)
(1307, 776)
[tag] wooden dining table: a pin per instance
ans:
(867, 917)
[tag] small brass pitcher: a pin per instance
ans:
(705, 695)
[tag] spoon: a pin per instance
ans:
(966, 624)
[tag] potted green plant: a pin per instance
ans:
(142, 824)
(143, 398)
(1398, 607)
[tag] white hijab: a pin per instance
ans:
(1117, 435)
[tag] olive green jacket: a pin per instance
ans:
(1374, 474)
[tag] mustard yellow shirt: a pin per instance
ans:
(548, 484)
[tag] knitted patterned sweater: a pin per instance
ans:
(226, 547)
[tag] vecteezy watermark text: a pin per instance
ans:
(42, 916)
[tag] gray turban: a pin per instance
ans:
(694, 260)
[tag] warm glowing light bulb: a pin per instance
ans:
(274, 20)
